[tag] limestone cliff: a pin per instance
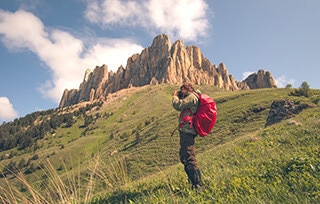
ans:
(160, 63)
(262, 79)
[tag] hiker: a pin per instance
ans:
(185, 101)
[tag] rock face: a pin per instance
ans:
(283, 109)
(90, 89)
(262, 79)
(160, 63)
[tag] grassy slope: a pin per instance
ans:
(134, 158)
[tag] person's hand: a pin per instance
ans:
(175, 93)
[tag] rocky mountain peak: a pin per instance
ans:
(161, 63)
(261, 79)
(161, 41)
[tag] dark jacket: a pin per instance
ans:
(186, 105)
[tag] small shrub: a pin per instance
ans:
(304, 90)
(316, 100)
(288, 86)
(111, 136)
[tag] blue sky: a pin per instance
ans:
(46, 46)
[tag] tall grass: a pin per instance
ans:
(280, 164)
(73, 186)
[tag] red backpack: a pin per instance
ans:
(205, 117)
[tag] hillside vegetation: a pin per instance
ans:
(122, 151)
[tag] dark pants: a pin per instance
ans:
(188, 158)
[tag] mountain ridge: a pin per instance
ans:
(161, 63)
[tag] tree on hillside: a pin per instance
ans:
(304, 90)
(88, 119)
(288, 86)
(22, 163)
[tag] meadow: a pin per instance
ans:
(123, 152)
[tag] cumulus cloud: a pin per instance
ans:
(7, 111)
(186, 19)
(283, 81)
(246, 74)
(113, 12)
(64, 54)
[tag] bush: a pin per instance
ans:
(304, 90)
(288, 86)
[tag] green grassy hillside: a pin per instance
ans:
(123, 152)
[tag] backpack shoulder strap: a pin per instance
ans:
(198, 95)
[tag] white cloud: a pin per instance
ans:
(113, 12)
(184, 19)
(246, 74)
(63, 53)
(283, 81)
(7, 111)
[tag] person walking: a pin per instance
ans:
(186, 101)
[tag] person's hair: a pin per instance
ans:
(188, 86)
